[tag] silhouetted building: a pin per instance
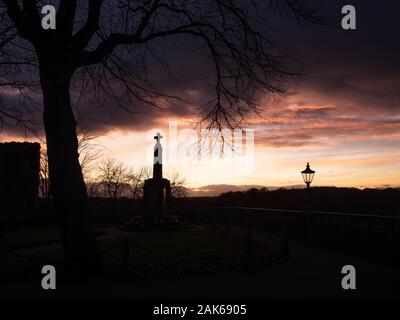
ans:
(19, 176)
(157, 190)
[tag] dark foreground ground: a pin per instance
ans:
(310, 273)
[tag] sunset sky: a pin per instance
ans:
(343, 116)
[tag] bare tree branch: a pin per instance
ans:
(246, 63)
(83, 36)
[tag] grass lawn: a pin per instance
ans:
(31, 237)
(205, 249)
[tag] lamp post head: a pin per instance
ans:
(308, 174)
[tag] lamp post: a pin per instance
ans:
(308, 176)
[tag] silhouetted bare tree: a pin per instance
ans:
(89, 149)
(113, 175)
(106, 43)
(89, 152)
(44, 181)
(136, 181)
(178, 185)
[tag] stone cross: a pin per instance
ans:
(157, 152)
(158, 137)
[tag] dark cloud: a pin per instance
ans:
(349, 75)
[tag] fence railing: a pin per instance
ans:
(366, 222)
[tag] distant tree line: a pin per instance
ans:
(332, 199)
(108, 177)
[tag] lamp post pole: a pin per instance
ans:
(308, 176)
(308, 201)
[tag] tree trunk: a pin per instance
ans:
(66, 180)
